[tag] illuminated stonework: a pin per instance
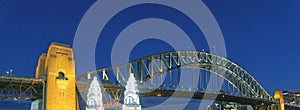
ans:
(131, 97)
(57, 66)
(94, 96)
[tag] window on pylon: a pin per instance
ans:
(61, 76)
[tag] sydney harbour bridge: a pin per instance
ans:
(181, 74)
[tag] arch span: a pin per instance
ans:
(152, 66)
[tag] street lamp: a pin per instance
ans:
(9, 72)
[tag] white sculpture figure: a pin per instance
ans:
(94, 96)
(131, 95)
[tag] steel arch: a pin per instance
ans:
(152, 66)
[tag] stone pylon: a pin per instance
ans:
(94, 96)
(131, 95)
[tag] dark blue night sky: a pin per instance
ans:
(263, 37)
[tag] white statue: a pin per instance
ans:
(131, 95)
(94, 96)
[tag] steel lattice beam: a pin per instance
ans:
(20, 88)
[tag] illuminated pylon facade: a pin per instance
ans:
(278, 96)
(57, 67)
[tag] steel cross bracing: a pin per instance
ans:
(154, 66)
(21, 88)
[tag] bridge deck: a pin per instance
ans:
(16, 87)
(24, 88)
(19, 80)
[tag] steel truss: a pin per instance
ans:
(12, 88)
(153, 66)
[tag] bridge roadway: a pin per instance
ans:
(145, 92)
(161, 92)
(15, 87)
(30, 88)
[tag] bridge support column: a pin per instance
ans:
(278, 96)
(116, 95)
